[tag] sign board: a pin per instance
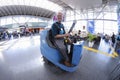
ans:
(91, 26)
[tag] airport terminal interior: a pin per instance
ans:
(26, 52)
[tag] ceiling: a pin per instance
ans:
(25, 10)
(41, 8)
(96, 5)
(32, 7)
(62, 3)
(78, 4)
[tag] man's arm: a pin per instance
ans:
(62, 35)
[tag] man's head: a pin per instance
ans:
(59, 16)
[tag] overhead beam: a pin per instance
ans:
(101, 10)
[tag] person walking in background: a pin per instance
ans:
(113, 39)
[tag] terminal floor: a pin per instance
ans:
(20, 59)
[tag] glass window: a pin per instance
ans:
(9, 20)
(3, 21)
(112, 16)
(110, 27)
(98, 26)
(100, 15)
(20, 19)
(106, 27)
(90, 15)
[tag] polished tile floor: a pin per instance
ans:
(20, 59)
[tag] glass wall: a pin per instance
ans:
(105, 22)
(20, 20)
